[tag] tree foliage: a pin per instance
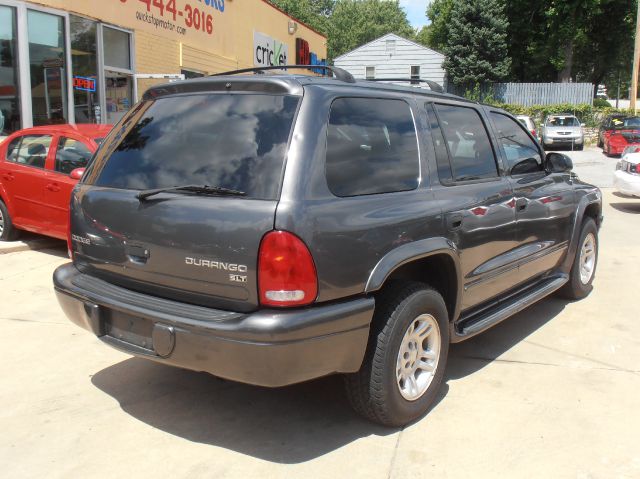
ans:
(356, 22)
(349, 24)
(439, 14)
(476, 47)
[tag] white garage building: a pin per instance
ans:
(392, 56)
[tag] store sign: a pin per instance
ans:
(268, 51)
(84, 84)
(306, 57)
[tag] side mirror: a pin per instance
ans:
(558, 163)
(77, 173)
(583, 125)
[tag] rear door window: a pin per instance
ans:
(472, 156)
(372, 147)
(71, 154)
(236, 141)
(32, 150)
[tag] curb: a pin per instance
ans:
(31, 246)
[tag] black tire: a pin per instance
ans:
(9, 232)
(580, 147)
(374, 391)
(600, 143)
(576, 288)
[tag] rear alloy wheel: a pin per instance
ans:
(406, 356)
(7, 231)
(584, 264)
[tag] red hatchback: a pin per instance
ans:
(38, 169)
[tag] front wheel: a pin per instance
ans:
(406, 357)
(584, 265)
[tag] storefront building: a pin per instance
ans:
(88, 61)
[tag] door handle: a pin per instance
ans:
(53, 187)
(8, 176)
(454, 222)
(521, 204)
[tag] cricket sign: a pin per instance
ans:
(268, 51)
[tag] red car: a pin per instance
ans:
(622, 133)
(38, 169)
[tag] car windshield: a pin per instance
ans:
(563, 121)
(237, 142)
(631, 122)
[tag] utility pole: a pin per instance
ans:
(636, 62)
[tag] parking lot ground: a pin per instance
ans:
(551, 392)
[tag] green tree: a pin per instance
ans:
(476, 48)
(356, 22)
(423, 36)
(439, 14)
(314, 13)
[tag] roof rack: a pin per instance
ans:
(433, 85)
(338, 73)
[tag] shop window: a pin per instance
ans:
(118, 73)
(47, 65)
(10, 119)
(84, 60)
(117, 50)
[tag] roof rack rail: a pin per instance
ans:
(433, 85)
(338, 73)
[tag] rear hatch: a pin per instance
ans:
(199, 247)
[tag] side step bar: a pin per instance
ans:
(468, 327)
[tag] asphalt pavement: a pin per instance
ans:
(551, 392)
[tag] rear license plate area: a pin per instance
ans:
(129, 329)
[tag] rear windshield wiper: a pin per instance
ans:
(196, 189)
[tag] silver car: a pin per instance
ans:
(562, 131)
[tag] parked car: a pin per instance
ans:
(527, 121)
(38, 168)
(626, 179)
(272, 229)
(562, 131)
(608, 123)
(624, 132)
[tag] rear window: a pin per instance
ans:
(371, 147)
(236, 141)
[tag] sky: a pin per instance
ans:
(415, 11)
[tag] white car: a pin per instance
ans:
(626, 178)
(528, 123)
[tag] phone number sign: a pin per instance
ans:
(168, 15)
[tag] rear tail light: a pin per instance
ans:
(533, 132)
(634, 168)
(286, 271)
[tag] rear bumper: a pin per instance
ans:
(268, 348)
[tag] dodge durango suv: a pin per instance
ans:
(272, 229)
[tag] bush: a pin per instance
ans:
(601, 103)
(590, 115)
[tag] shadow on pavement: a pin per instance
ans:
(472, 355)
(633, 208)
(286, 425)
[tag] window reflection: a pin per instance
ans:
(47, 66)
(10, 120)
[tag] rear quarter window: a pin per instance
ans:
(236, 141)
(372, 147)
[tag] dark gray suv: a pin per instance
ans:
(273, 229)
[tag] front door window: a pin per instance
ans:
(47, 55)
